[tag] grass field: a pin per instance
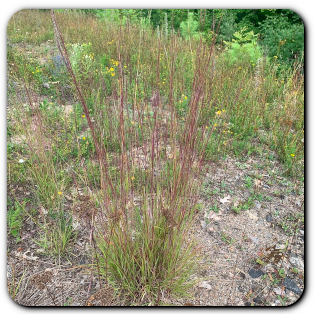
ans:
(113, 132)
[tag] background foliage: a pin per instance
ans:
(279, 31)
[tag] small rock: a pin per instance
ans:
(297, 262)
(269, 218)
(260, 221)
(255, 240)
(246, 194)
(241, 289)
(254, 287)
(278, 291)
(254, 273)
(257, 300)
(266, 186)
(46, 85)
(257, 205)
(242, 275)
(203, 224)
(292, 286)
(302, 232)
(252, 216)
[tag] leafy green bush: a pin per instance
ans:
(243, 47)
(189, 28)
(228, 26)
(283, 39)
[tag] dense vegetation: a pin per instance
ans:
(279, 31)
(130, 111)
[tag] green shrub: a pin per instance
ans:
(243, 48)
(189, 28)
(283, 39)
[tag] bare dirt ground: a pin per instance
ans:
(253, 257)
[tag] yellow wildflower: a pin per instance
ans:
(292, 155)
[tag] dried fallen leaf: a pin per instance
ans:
(258, 183)
(214, 217)
(43, 211)
(206, 285)
(68, 198)
(31, 258)
(225, 199)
